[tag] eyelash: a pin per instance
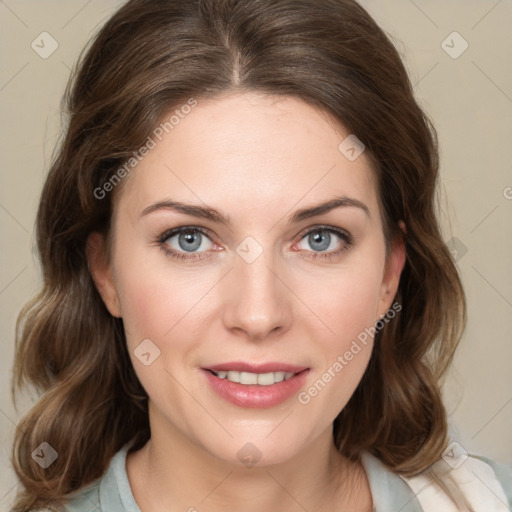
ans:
(164, 237)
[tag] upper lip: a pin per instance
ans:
(241, 366)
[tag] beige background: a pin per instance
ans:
(469, 98)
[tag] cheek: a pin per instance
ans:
(347, 302)
(155, 298)
(147, 310)
(161, 306)
(346, 299)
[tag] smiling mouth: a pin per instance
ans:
(247, 378)
(251, 385)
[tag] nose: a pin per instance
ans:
(257, 303)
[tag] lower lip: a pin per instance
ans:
(254, 395)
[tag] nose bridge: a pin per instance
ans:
(257, 302)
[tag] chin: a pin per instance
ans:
(244, 452)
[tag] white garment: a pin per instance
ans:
(470, 486)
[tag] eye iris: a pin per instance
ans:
(189, 241)
(324, 239)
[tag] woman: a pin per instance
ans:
(247, 301)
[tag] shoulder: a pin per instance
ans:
(83, 500)
(462, 481)
(110, 493)
(503, 473)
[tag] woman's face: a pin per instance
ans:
(276, 289)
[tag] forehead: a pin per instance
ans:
(250, 153)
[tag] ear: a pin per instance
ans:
(392, 272)
(101, 272)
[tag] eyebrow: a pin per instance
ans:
(206, 212)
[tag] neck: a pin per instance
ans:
(171, 473)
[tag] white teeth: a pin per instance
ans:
(278, 376)
(234, 376)
(262, 379)
(248, 378)
(266, 379)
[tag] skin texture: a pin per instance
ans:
(257, 159)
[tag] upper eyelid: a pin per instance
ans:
(320, 227)
(176, 231)
(205, 231)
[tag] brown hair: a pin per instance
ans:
(150, 57)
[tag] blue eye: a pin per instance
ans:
(193, 243)
(180, 241)
(322, 242)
